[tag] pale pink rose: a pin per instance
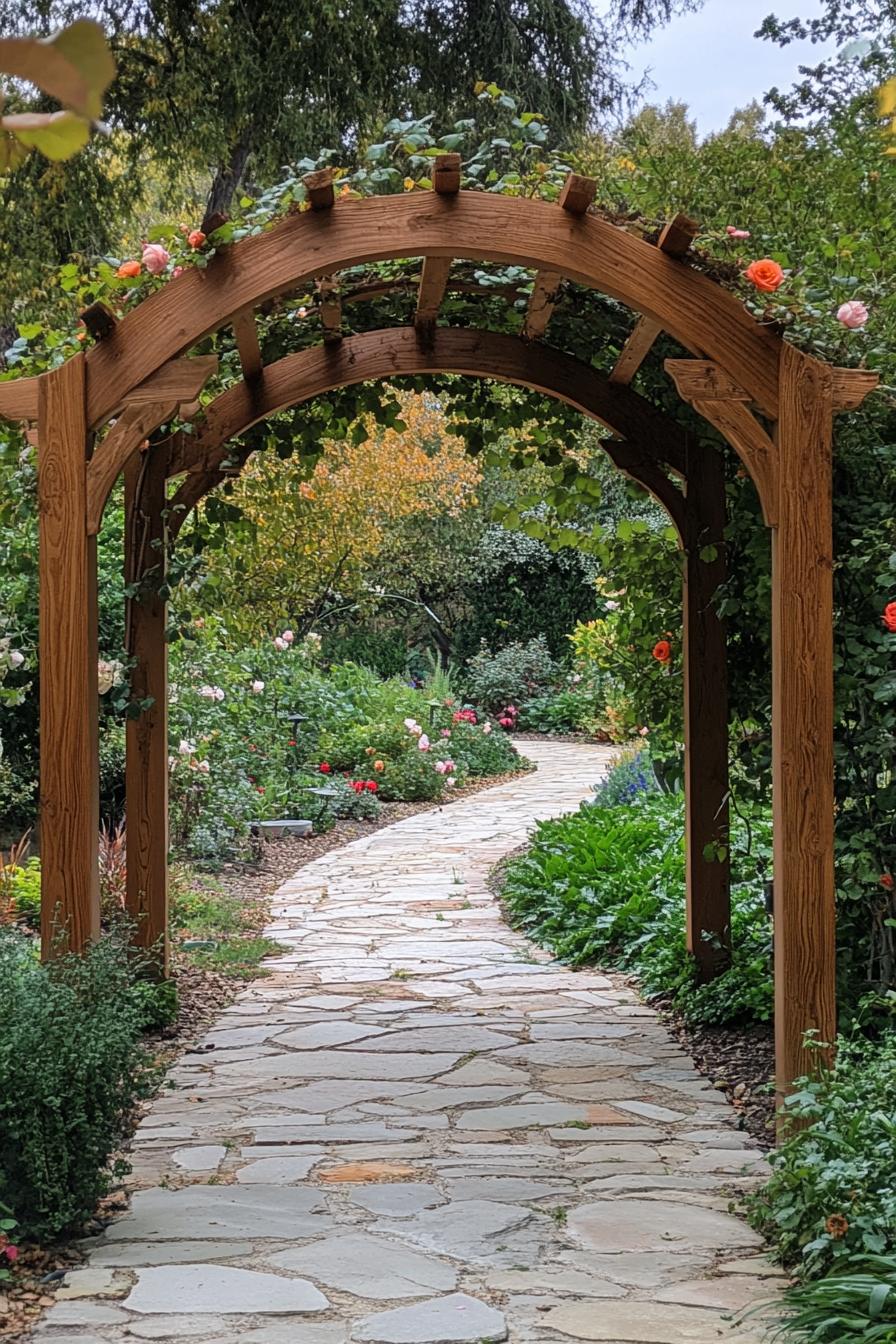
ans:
(186, 748)
(281, 644)
(423, 742)
(441, 767)
(257, 687)
(446, 732)
(852, 314)
(486, 728)
(16, 659)
(219, 694)
(203, 766)
(451, 781)
(178, 270)
(155, 258)
(288, 636)
(612, 606)
(645, 732)
(412, 725)
(733, 232)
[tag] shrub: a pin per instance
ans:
(354, 798)
(25, 888)
(607, 883)
(630, 775)
(831, 1198)
(71, 1071)
(514, 674)
(479, 750)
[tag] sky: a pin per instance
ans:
(712, 61)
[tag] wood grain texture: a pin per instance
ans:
(676, 237)
(850, 387)
(146, 758)
(542, 301)
(635, 351)
(803, 719)
(18, 399)
(394, 351)
(124, 438)
(577, 194)
(690, 307)
(753, 446)
(433, 280)
(706, 716)
(178, 380)
(69, 761)
(245, 331)
(446, 174)
(703, 378)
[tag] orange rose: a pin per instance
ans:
(765, 275)
(379, 765)
(889, 617)
(128, 270)
(662, 651)
(196, 238)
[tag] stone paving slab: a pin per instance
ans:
(419, 1129)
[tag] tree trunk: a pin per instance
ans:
(226, 180)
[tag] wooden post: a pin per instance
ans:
(803, 718)
(69, 759)
(146, 761)
(706, 717)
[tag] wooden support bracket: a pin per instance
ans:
(122, 441)
(713, 395)
(18, 399)
(179, 380)
(542, 302)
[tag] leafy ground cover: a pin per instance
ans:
(606, 884)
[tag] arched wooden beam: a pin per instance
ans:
(476, 225)
(395, 352)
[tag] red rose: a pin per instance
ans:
(324, 768)
(292, 742)
(886, 880)
(372, 786)
(889, 616)
(662, 651)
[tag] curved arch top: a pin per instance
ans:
(649, 439)
(473, 225)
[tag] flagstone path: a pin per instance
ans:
(420, 1130)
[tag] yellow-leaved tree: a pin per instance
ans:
(314, 543)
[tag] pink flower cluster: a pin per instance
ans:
(465, 716)
(508, 717)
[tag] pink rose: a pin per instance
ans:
(732, 232)
(281, 644)
(423, 742)
(852, 314)
(11, 1252)
(288, 636)
(155, 258)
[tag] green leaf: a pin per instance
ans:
(58, 135)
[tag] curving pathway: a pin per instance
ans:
(420, 1130)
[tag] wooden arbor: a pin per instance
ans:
(772, 403)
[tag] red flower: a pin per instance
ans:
(662, 651)
(371, 786)
(889, 616)
(259, 789)
(292, 742)
(324, 768)
(886, 880)
(196, 239)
